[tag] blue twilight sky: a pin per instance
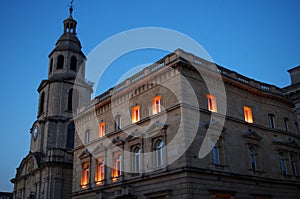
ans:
(259, 39)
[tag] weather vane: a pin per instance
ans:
(71, 7)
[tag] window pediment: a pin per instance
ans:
(252, 135)
(288, 143)
(85, 154)
(100, 148)
(157, 126)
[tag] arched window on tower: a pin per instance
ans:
(70, 136)
(51, 66)
(60, 62)
(73, 99)
(73, 63)
(41, 104)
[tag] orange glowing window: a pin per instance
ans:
(85, 175)
(156, 105)
(101, 130)
(100, 172)
(248, 114)
(135, 114)
(116, 171)
(212, 103)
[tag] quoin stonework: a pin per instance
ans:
(165, 132)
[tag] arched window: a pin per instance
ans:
(282, 163)
(70, 136)
(100, 171)
(117, 166)
(73, 63)
(215, 153)
(73, 99)
(137, 159)
(159, 155)
(51, 66)
(41, 105)
(85, 175)
(252, 157)
(60, 62)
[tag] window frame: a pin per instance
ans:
(248, 116)
(215, 153)
(137, 159)
(100, 172)
(136, 114)
(159, 153)
(211, 103)
(271, 120)
(156, 105)
(87, 136)
(101, 129)
(282, 163)
(118, 123)
(117, 166)
(84, 180)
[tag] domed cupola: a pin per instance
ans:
(66, 57)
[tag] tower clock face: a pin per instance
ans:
(35, 132)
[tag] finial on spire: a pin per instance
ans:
(71, 7)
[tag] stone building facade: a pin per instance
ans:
(170, 131)
(46, 172)
(180, 128)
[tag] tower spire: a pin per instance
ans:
(71, 8)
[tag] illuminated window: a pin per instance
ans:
(101, 130)
(271, 118)
(248, 114)
(282, 163)
(100, 171)
(212, 103)
(118, 123)
(156, 105)
(87, 137)
(85, 175)
(137, 159)
(159, 155)
(135, 114)
(215, 153)
(252, 157)
(117, 163)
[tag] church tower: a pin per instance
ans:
(46, 172)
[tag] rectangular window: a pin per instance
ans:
(87, 137)
(118, 123)
(286, 124)
(271, 118)
(101, 131)
(248, 114)
(212, 103)
(85, 175)
(100, 172)
(135, 114)
(156, 105)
